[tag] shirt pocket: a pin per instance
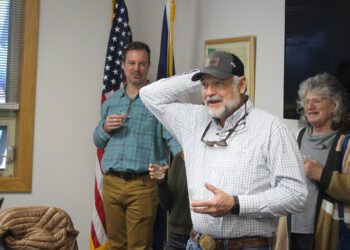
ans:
(148, 123)
(114, 109)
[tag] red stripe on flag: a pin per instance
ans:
(94, 239)
(103, 98)
(99, 207)
(100, 152)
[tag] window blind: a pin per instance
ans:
(10, 46)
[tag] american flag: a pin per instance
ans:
(119, 37)
(113, 79)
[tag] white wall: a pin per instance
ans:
(72, 44)
(200, 20)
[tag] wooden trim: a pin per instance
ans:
(22, 180)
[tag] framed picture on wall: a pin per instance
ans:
(244, 48)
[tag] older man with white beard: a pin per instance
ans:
(243, 166)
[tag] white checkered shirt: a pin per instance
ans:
(261, 164)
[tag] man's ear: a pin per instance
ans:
(242, 87)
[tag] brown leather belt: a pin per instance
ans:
(236, 243)
(241, 243)
(127, 176)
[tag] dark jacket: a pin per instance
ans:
(173, 197)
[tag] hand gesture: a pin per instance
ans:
(313, 169)
(113, 121)
(220, 205)
(157, 171)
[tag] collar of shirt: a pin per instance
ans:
(124, 94)
(123, 91)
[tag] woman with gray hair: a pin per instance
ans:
(323, 143)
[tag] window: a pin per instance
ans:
(3, 143)
(7, 142)
(10, 36)
(4, 25)
(18, 61)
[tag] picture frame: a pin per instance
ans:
(244, 48)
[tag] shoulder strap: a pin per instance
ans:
(340, 167)
(300, 135)
(344, 146)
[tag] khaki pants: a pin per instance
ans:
(130, 209)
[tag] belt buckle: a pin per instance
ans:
(206, 242)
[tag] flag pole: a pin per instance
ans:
(171, 37)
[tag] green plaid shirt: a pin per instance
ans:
(141, 140)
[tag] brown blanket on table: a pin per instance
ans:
(37, 228)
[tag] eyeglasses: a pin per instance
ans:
(314, 101)
(223, 143)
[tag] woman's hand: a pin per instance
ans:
(313, 170)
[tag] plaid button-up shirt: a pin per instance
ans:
(141, 140)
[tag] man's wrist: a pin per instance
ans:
(235, 209)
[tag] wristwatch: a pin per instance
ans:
(235, 208)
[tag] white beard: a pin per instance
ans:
(225, 108)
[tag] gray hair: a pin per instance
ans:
(329, 87)
(237, 80)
